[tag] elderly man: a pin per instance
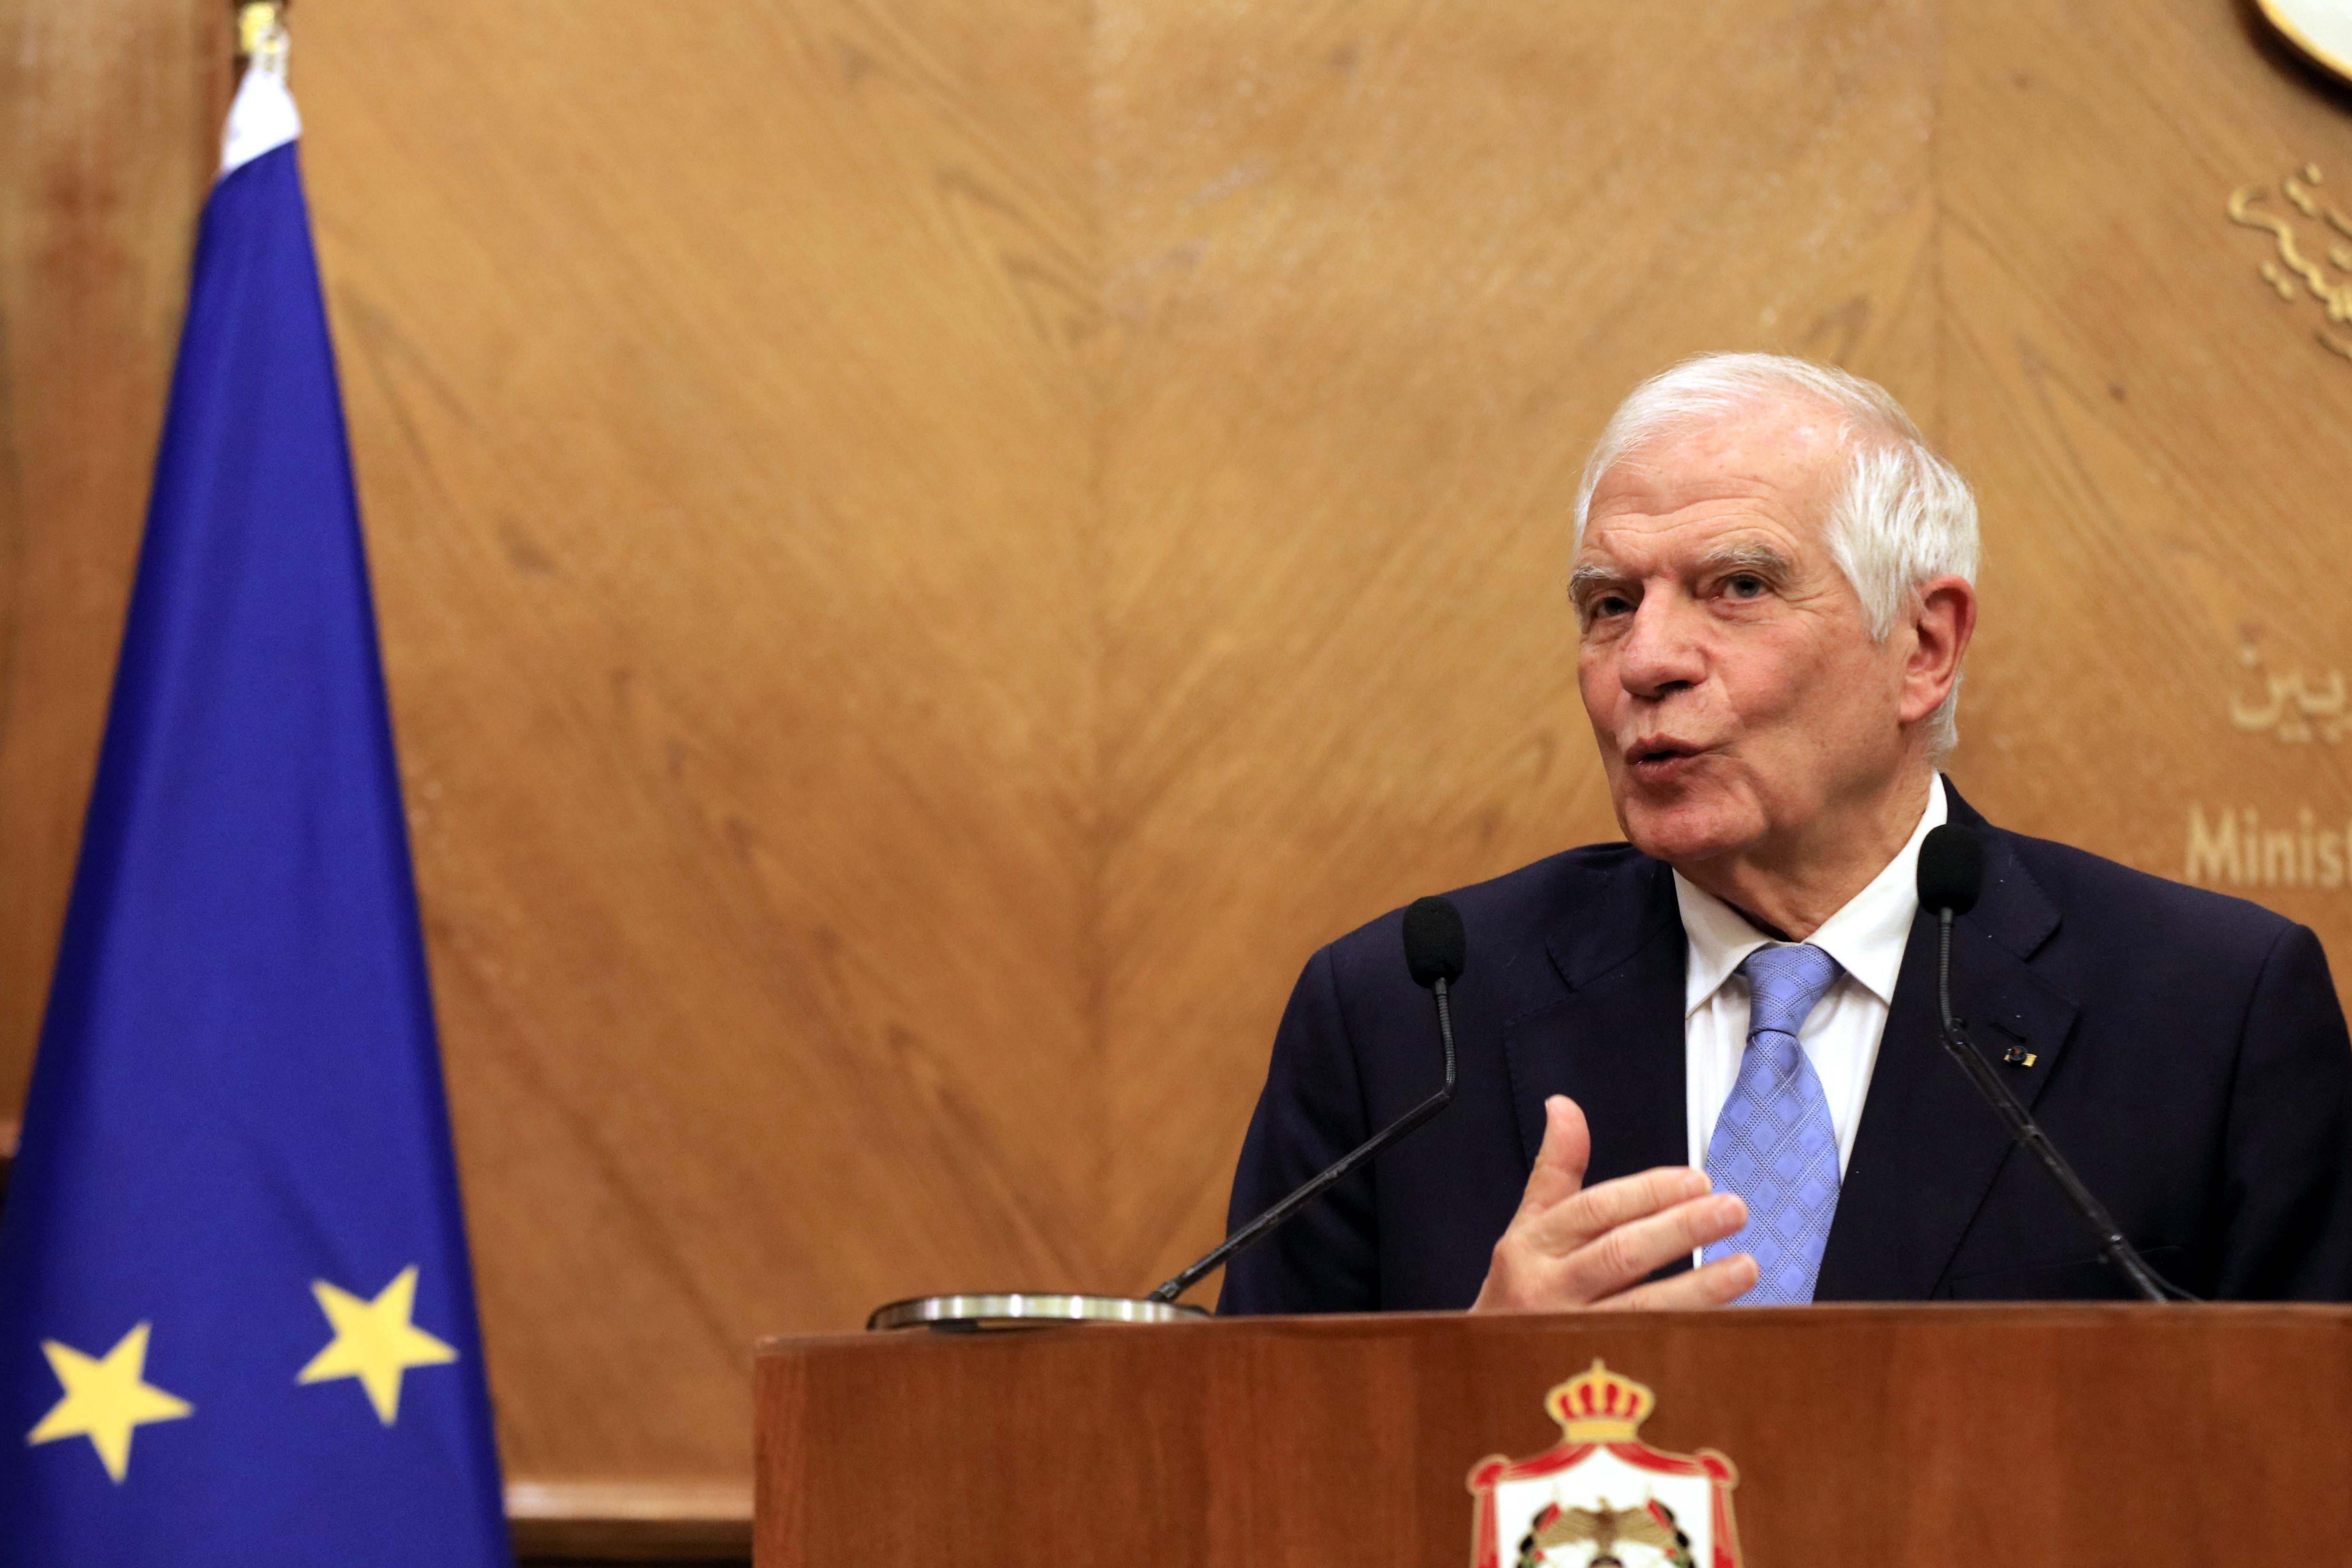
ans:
(1702, 1065)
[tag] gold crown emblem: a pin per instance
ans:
(1599, 1405)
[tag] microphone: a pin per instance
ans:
(1951, 874)
(1435, 948)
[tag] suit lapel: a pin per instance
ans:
(1929, 1148)
(1614, 1042)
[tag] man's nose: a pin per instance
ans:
(1662, 653)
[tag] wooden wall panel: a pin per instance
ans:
(726, 454)
(1378, 273)
(929, 553)
(111, 132)
(2156, 439)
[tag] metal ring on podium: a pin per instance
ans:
(1026, 1309)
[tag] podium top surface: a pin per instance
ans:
(2002, 1319)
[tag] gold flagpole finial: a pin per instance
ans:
(261, 31)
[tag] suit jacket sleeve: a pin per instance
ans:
(1325, 1259)
(2286, 1199)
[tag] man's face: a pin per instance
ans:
(1730, 674)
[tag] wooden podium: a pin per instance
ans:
(1919, 1436)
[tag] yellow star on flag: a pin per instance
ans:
(105, 1399)
(374, 1342)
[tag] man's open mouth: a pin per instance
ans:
(1659, 761)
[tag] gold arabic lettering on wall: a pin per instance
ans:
(2235, 847)
(2293, 260)
(2291, 707)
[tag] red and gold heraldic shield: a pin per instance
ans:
(1601, 1498)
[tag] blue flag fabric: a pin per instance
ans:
(236, 1318)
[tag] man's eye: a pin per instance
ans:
(1611, 604)
(1744, 586)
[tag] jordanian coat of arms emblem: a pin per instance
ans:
(1601, 1498)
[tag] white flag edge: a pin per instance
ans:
(262, 118)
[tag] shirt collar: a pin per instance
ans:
(1866, 937)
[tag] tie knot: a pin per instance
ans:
(1784, 985)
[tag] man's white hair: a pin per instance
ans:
(1902, 517)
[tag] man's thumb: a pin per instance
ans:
(1567, 1149)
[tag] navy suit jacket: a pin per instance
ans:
(2189, 1056)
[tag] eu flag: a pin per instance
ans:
(236, 1319)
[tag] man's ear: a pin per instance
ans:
(1943, 619)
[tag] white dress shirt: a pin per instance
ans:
(1841, 1039)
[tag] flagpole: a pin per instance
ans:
(261, 33)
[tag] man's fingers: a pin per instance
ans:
(1559, 1163)
(1570, 1245)
(1718, 1284)
(1629, 1253)
(1603, 1207)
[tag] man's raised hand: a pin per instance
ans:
(1571, 1245)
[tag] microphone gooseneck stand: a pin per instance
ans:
(1215, 1257)
(2024, 1130)
(1434, 951)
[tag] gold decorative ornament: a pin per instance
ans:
(2295, 247)
(2322, 30)
(2293, 706)
(260, 29)
(1600, 1495)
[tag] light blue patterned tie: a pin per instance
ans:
(1774, 1144)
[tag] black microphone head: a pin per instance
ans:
(1434, 945)
(1951, 868)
